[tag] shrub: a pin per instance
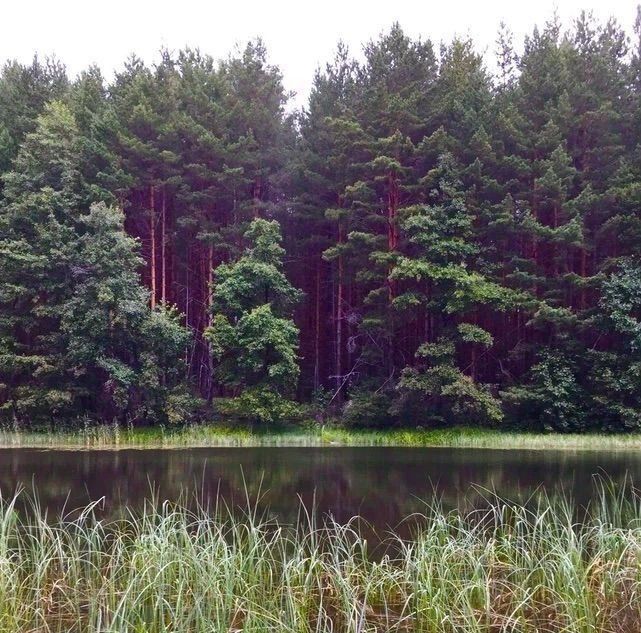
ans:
(261, 404)
(367, 409)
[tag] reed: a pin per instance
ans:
(112, 437)
(505, 567)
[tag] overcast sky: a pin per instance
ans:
(299, 35)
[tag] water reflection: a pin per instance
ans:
(383, 485)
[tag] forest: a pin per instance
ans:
(436, 238)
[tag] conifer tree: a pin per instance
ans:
(441, 278)
(460, 237)
(24, 92)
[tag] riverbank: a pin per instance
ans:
(502, 568)
(113, 438)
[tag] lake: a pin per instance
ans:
(383, 485)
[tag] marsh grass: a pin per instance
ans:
(503, 568)
(112, 437)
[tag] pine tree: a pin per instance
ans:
(385, 118)
(440, 277)
(24, 92)
(321, 169)
(459, 236)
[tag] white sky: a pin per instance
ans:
(299, 36)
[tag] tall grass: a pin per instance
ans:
(215, 435)
(505, 568)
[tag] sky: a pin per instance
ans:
(299, 36)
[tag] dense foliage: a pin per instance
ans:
(467, 244)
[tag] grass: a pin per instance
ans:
(505, 568)
(114, 437)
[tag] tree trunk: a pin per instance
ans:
(163, 248)
(317, 329)
(210, 281)
(339, 316)
(554, 254)
(210, 318)
(392, 228)
(152, 237)
(187, 303)
(257, 196)
(392, 245)
(584, 274)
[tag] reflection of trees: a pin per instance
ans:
(381, 484)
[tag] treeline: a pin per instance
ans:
(426, 242)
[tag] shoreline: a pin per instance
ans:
(213, 436)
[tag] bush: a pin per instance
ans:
(183, 407)
(552, 400)
(261, 404)
(442, 395)
(367, 409)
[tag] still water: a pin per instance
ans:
(383, 485)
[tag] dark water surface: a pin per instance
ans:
(383, 485)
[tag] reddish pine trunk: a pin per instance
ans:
(392, 228)
(534, 241)
(210, 282)
(257, 195)
(152, 237)
(555, 224)
(209, 321)
(339, 315)
(584, 274)
(163, 248)
(392, 245)
(317, 332)
(473, 354)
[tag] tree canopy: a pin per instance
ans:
(432, 239)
